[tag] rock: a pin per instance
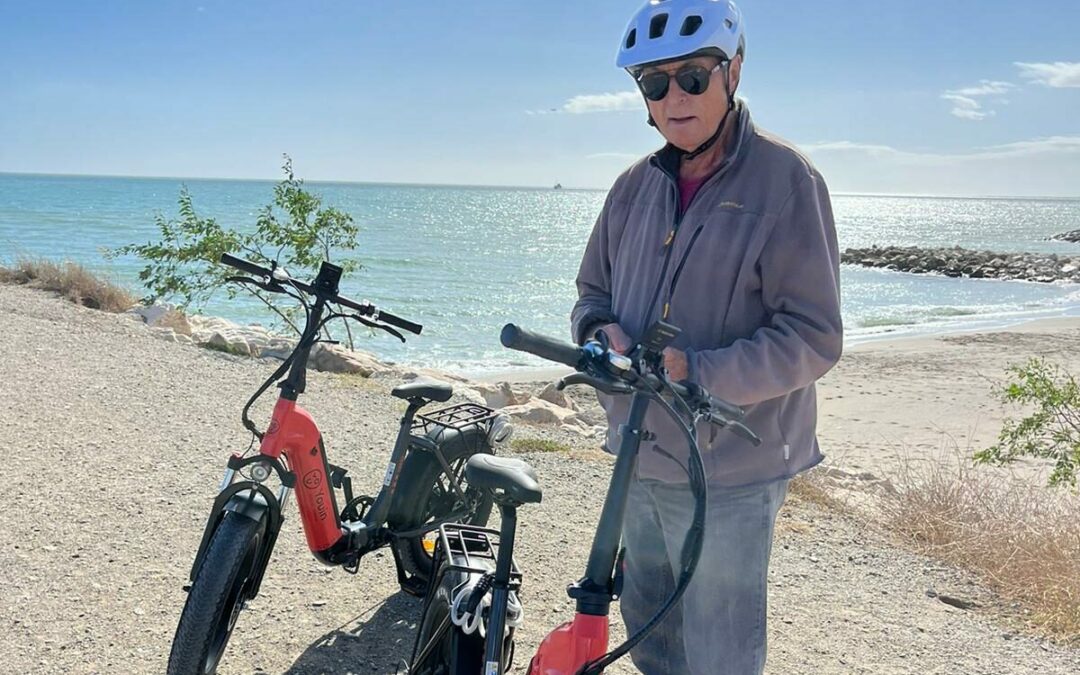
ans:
(551, 394)
(275, 348)
(499, 395)
(162, 315)
(151, 314)
(538, 411)
(335, 359)
(227, 341)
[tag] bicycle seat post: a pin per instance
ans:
(500, 590)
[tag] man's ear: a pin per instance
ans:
(734, 73)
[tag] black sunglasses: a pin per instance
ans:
(692, 78)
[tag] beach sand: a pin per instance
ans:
(118, 439)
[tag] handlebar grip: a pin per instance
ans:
(540, 345)
(403, 324)
(244, 265)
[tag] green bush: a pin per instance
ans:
(294, 231)
(1051, 430)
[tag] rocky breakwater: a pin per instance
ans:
(962, 262)
(1073, 236)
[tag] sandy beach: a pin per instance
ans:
(119, 438)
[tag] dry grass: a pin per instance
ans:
(1023, 541)
(812, 487)
(70, 280)
(538, 445)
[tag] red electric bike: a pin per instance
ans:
(423, 489)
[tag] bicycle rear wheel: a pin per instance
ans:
(425, 493)
(453, 652)
(217, 595)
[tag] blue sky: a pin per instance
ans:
(969, 97)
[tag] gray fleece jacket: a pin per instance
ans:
(750, 273)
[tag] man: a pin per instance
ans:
(727, 233)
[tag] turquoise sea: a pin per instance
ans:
(465, 260)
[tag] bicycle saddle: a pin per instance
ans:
(514, 477)
(433, 390)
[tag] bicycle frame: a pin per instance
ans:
(569, 647)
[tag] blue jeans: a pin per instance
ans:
(719, 626)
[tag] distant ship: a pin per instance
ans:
(558, 186)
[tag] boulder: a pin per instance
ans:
(539, 411)
(336, 359)
(499, 395)
(551, 394)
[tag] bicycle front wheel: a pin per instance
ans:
(217, 595)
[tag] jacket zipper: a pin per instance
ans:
(679, 269)
(668, 247)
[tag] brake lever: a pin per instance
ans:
(380, 326)
(268, 286)
(738, 428)
(612, 387)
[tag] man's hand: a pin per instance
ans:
(676, 364)
(617, 337)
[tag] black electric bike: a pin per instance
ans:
(472, 605)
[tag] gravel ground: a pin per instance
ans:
(119, 440)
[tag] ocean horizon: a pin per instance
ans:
(463, 260)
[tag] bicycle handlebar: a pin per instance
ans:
(365, 309)
(546, 348)
(720, 412)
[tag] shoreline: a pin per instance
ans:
(878, 342)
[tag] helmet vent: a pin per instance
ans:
(729, 24)
(690, 25)
(657, 26)
(631, 38)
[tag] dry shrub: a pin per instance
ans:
(812, 486)
(70, 280)
(1023, 540)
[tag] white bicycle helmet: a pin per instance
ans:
(669, 29)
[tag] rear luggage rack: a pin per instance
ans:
(457, 417)
(472, 550)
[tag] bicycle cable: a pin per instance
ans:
(692, 543)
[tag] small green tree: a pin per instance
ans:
(294, 231)
(1051, 430)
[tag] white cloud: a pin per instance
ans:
(1036, 167)
(1060, 74)
(965, 105)
(984, 88)
(594, 103)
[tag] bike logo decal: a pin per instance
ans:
(389, 475)
(273, 428)
(313, 479)
(491, 668)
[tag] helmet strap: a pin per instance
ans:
(723, 122)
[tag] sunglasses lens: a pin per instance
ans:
(694, 80)
(654, 85)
